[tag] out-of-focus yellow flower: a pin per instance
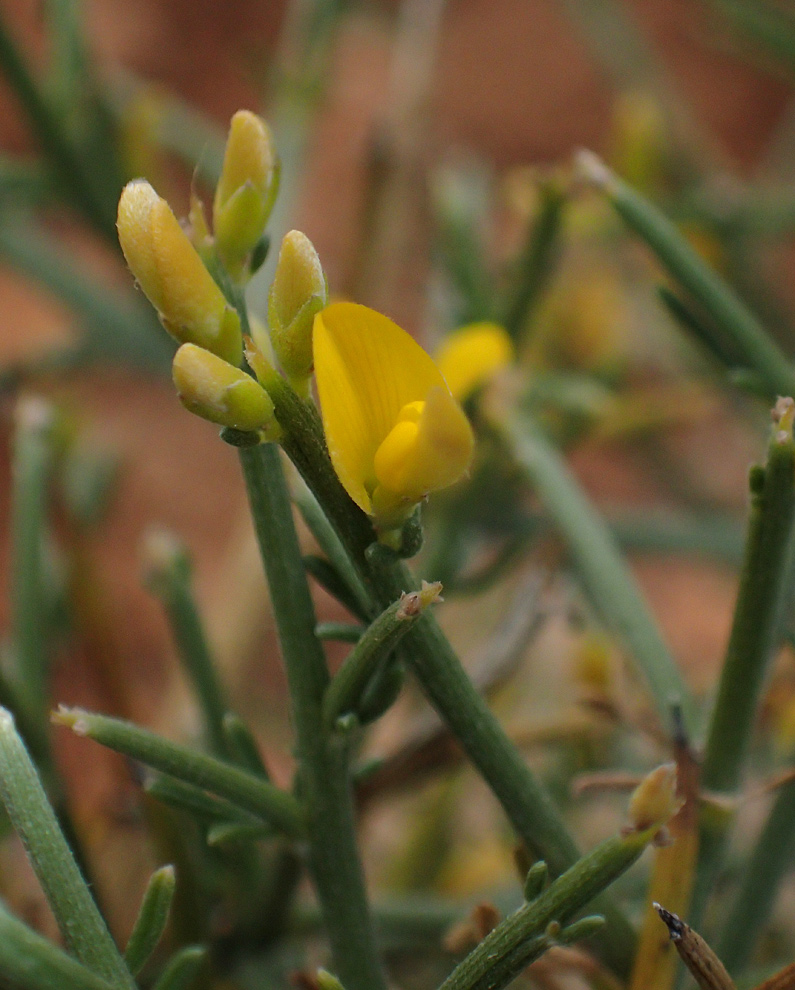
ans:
(246, 190)
(640, 142)
(470, 356)
(394, 431)
(213, 389)
(172, 275)
(297, 295)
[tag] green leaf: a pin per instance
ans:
(151, 920)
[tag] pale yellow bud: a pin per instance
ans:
(246, 190)
(172, 275)
(215, 390)
(654, 801)
(298, 293)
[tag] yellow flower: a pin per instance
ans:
(394, 431)
(172, 275)
(469, 356)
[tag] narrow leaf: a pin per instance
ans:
(151, 920)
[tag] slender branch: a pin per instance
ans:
(323, 765)
(757, 619)
(604, 572)
(729, 312)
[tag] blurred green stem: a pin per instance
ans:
(29, 960)
(731, 315)
(604, 572)
(33, 464)
(763, 874)
(324, 781)
(171, 582)
(537, 257)
(756, 624)
(68, 165)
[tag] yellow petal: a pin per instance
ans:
(367, 370)
(468, 357)
(429, 453)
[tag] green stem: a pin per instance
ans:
(324, 778)
(537, 258)
(33, 463)
(763, 875)
(78, 917)
(243, 789)
(379, 639)
(729, 312)
(503, 954)
(604, 572)
(71, 170)
(757, 621)
(29, 960)
(436, 666)
(169, 578)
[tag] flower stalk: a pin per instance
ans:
(324, 782)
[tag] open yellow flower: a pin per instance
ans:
(394, 431)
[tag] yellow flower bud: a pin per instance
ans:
(246, 190)
(171, 273)
(471, 355)
(298, 293)
(654, 801)
(213, 389)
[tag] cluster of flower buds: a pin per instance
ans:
(394, 426)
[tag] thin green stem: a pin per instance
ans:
(78, 917)
(68, 164)
(763, 875)
(604, 572)
(756, 624)
(733, 317)
(323, 767)
(252, 794)
(537, 258)
(374, 646)
(29, 960)
(33, 464)
(169, 577)
(504, 953)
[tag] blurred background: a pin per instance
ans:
(410, 132)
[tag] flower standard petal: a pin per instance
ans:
(367, 371)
